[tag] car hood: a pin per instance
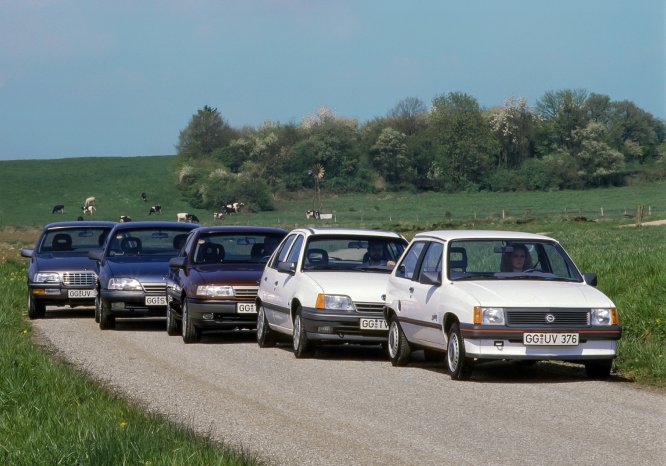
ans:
(156, 268)
(48, 262)
(222, 274)
(528, 293)
(363, 287)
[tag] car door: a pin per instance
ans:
(286, 285)
(424, 295)
(401, 288)
(271, 278)
(177, 277)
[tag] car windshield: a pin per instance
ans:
(238, 248)
(73, 241)
(502, 259)
(147, 242)
(361, 253)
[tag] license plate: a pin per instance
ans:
(373, 324)
(246, 308)
(156, 301)
(74, 294)
(550, 339)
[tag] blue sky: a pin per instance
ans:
(123, 77)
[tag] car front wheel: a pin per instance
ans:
(459, 366)
(171, 322)
(302, 347)
(191, 334)
(106, 320)
(398, 346)
(35, 310)
(265, 336)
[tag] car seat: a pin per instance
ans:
(317, 257)
(457, 259)
(61, 242)
(131, 245)
(211, 253)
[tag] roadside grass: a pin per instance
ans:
(52, 414)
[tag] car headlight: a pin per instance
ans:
(125, 284)
(215, 290)
(604, 316)
(334, 301)
(47, 277)
(489, 316)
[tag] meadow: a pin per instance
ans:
(51, 414)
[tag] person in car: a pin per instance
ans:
(517, 260)
(375, 254)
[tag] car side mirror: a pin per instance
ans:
(96, 254)
(27, 252)
(430, 278)
(287, 267)
(590, 278)
(177, 262)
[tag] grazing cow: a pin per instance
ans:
(88, 209)
(233, 208)
(58, 209)
(192, 218)
(125, 219)
(156, 209)
(218, 215)
(144, 197)
(89, 201)
(182, 216)
(312, 214)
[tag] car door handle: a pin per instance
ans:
(411, 289)
(276, 283)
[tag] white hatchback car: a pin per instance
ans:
(326, 285)
(484, 295)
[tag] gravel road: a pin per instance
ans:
(348, 405)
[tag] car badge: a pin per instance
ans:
(550, 318)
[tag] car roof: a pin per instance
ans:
(310, 231)
(79, 224)
(242, 229)
(448, 235)
(154, 224)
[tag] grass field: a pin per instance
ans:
(94, 425)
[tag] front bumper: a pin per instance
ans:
(492, 342)
(322, 325)
(133, 303)
(58, 295)
(220, 315)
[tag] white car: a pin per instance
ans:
(492, 295)
(325, 285)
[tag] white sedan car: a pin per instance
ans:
(490, 295)
(325, 285)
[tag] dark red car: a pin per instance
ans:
(213, 282)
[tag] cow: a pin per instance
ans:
(312, 214)
(58, 209)
(89, 209)
(218, 215)
(144, 197)
(233, 208)
(192, 218)
(89, 201)
(182, 216)
(156, 209)
(124, 219)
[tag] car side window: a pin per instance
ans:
(185, 250)
(407, 265)
(432, 260)
(281, 255)
(295, 250)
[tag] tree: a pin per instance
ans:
(598, 162)
(563, 112)
(513, 125)
(206, 132)
(389, 156)
(409, 115)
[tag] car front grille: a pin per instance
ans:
(540, 317)
(79, 279)
(154, 287)
(246, 292)
(377, 308)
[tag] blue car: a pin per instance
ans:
(133, 266)
(60, 272)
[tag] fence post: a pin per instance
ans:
(639, 215)
(602, 211)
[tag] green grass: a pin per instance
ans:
(51, 414)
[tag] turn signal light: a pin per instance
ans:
(615, 319)
(477, 315)
(319, 304)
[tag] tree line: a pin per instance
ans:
(571, 139)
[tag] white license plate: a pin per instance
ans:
(246, 308)
(74, 294)
(156, 301)
(373, 324)
(550, 339)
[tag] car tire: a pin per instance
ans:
(172, 327)
(302, 346)
(35, 310)
(460, 367)
(98, 308)
(598, 369)
(106, 320)
(265, 336)
(191, 334)
(398, 346)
